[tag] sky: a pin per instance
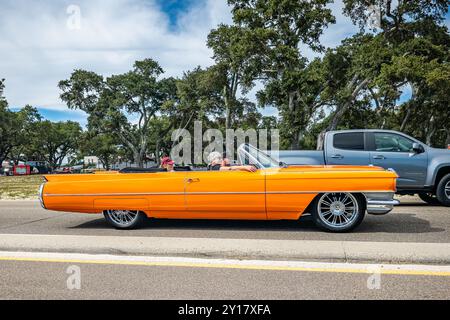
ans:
(42, 42)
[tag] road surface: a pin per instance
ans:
(45, 277)
(107, 279)
(411, 222)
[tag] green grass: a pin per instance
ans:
(20, 187)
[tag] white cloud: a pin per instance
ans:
(38, 49)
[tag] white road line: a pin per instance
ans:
(424, 270)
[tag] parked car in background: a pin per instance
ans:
(64, 170)
(39, 167)
(22, 170)
(422, 170)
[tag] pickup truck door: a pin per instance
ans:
(391, 150)
(347, 148)
(226, 195)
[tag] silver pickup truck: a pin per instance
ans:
(422, 170)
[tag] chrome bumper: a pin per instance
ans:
(41, 195)
(380, 203)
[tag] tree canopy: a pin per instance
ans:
(393, 74)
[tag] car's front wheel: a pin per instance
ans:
(443, 191)
(338, 211)
(124, 219)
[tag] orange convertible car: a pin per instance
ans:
(337, 197)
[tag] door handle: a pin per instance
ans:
(192, 180)
(379, 157)
(337, 156)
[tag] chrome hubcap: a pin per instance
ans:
(447, 190)
(338, 209)
(123, 217)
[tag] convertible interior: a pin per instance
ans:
(154, 169)
(247, 155)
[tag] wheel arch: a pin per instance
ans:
(442, 172)
(357, 194)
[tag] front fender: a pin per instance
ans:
(433, 169)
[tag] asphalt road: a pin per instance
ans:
(411, 222)
(48, 280)
(41, 279)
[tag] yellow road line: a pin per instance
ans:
(235, 266)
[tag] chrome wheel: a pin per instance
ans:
(123, 218)
(338, 210)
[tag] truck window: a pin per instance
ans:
(349, 141)
(389, 142)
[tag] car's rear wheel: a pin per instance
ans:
(338, 211)
(443, 191)
(429, 198)
(125, 219)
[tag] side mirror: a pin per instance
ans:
(418, 148)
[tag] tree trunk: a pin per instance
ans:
(337, 117)
(405, 119)
(227, 118)
(157, 151)
(296, 138)
(227, 102)
(341, 109)
(410, 105)
(320, 140)
(447, 140)
(106, 164)
(430, 131)
(429, 136)
(137, 159)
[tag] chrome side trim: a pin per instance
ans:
(326, 191)
(203, 193)
(386, 202)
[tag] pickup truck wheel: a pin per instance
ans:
(124, 219)
(429, 198)
(443, 191)
(338, 211)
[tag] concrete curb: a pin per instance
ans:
(330, 251)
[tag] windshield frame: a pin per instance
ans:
(244, 151)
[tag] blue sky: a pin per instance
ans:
(174, 8)
(40, 47)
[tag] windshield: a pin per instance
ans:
(249, 155)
